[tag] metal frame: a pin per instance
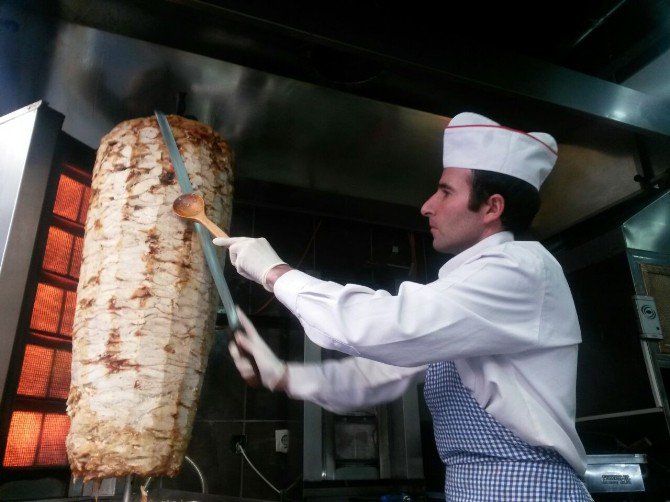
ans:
(28, 140)
(654, 359)
(400, 455)
(647, 239)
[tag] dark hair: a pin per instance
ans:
(522, 200)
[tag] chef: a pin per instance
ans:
(495, 337)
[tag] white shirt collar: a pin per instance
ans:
(463, 256)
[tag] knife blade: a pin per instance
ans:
(207, 246)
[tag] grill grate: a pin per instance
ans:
(36, 439)
(72, 200)
(37, 429)
(63, 253)
(45, 373)
(53, 310)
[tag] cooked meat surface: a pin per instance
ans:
(145, 302)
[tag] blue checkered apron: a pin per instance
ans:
(484, 461)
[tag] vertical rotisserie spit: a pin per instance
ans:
(145, 302)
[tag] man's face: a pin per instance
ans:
(454, 226)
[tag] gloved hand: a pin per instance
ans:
(271, 369)
(253, 258)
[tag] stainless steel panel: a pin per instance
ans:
(595, 170)
(405, 437)
(615, 473)
(312, 452)
(27, 141)
(617, 458)
(649, 229)
(254, 34)
(282, 130)
(614, 478)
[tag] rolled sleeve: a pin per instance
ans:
(350, 384)
(489, 306)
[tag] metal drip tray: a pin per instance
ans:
(161, 495)
(615, 473)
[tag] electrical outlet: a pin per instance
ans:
(281, 440)
(236, 439)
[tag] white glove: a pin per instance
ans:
(253, 258)
(270, 369)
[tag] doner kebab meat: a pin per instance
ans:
(145, 309)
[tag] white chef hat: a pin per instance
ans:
(472, 141)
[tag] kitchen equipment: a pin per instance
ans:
(191, 206)
(615, 473)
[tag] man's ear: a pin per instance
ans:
(495, 205)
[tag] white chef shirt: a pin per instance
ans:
(501, 310)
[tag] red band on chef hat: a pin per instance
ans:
(472, 141)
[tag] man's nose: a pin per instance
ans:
(426, 208)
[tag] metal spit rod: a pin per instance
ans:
(201, 476)
(126, 490)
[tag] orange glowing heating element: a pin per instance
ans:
(72, 199)
(36, 439)
(60, 374)
(24, 434)
(51, 450)
(45, 373)
(77, 251)
(63, 253)
(53, 310)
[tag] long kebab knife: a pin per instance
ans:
(205, 240)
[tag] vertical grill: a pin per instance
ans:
(36, 439)
(38, 424)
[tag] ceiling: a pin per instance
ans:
(609, 39)
(284, 82)
(517, 60)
